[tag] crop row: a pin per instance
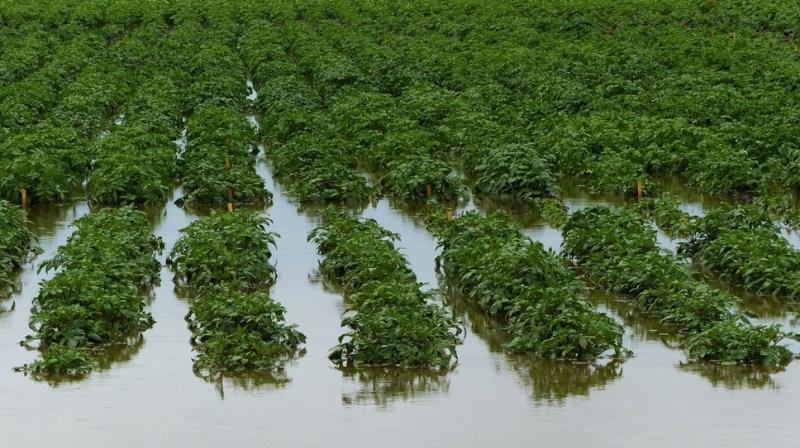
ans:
(95, 304)
(744, 246)
(587, 92)
(617, 250)
(236, 327)
(16, 243)
(218, 165)
(510, 277)
(48, 150)
(390, 319)
(741, 244)
(135, 163)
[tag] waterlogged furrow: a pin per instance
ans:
(508, 276)
(96, 301)
(390, 319)
(16, 242)
(618, 251)
(224, 259)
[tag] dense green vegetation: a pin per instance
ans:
(236, 327)
(390, 319)
(96, 301)
(507, 275)
(741, 244)
(617, 250)
(425, 100)
(16, 242)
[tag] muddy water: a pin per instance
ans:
(154, 399)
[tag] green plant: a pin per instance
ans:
(96, 299)
(223, 248)
(618, 251)
(234, 331)
(16, 242)
(508, 276)
(390, 319)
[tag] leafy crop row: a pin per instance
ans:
(96, 301)
(618, 251)
(236, 327)
(510, 277)
(135, 163)
(16, 242)
(218, 165)
(744, 246)
(390, 319)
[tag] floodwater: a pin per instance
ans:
(151, 397)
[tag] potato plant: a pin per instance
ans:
(508, 276)
(97, 299)
(744, 247)
(390, 319)
(16, 243)
(236, 327)
(617, 250)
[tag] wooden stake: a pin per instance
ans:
(430, 190)
(639, 189)
(230, 194)
(230, 207)
(449, 215)
(24, 198)
(227, 163)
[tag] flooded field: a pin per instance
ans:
(490, 397)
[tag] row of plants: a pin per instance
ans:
(408, 138)
(224, 259)
(741, 244)
(136, 162)
(306, 153)
(491, 263)
(744, 247)
(586, 89)
(16, 244)
(47, 149)
(96, 302)
(390, 319)
(218, 165)
(617, 250)
(26, 101)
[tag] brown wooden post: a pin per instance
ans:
(639, 189)
(449, 215)
(24, 198)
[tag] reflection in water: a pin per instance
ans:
(252, 380)
(549, 382)
(383, 386)
(646, 328)
(735, 376)
(106, 358)
(552, 382)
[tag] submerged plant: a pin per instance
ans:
(225, 247)
(236, 327)
(16, 242)
(390, 319)
(618, 251)
(489, 261)
(96, 299)
(234, 331)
